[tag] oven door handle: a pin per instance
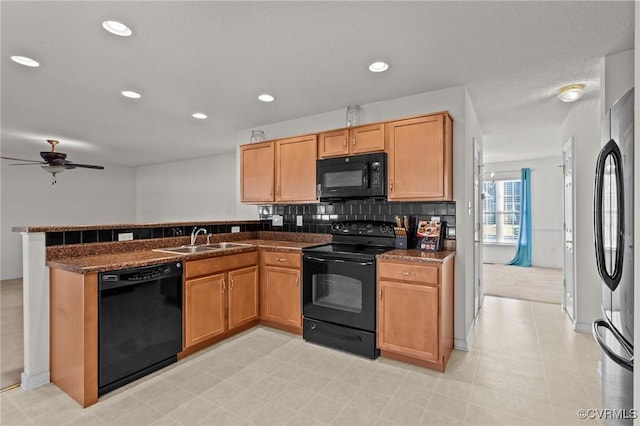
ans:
(317, 259)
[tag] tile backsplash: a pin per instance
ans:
(317, 217)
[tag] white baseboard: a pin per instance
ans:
(582, 327)
(465, 345)
(32, 382)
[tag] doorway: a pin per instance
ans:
(568, 270)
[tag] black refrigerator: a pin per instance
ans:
(613, 223)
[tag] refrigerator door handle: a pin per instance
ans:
(622, 362)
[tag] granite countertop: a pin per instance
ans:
(59, 228)
(417, 256)
(134, 259)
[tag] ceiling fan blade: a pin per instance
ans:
(21, 159)
(26, 164)
(71, 165)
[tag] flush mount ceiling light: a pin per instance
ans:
(117, 28)
(571, 92)
(199, 115)
(378, 66)
(131, 94)
(265, 97)
(23, 60)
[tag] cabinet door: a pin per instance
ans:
(243, 296)
(367, 139)
(282, 296)
(408, 319)
(257, 172)
(204, 308)
(333, 144)
(420, 166)
(296, 169)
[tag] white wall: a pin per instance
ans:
(636, 374)
(547, 186)
(617, 76)
(583, 124)
(80, 197)
(197, 189)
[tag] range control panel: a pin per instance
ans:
(371, 228)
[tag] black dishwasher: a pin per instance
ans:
(139, 322)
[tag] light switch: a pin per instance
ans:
(276, 220)
(235, 229)
(299, 220)
(125, 236)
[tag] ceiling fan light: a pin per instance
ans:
(571, 92)
(53, 169)
(27, 62)
(117, 28)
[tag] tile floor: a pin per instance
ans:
(526, 366)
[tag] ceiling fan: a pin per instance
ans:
(54, 162)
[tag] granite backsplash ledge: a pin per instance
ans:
(317, 217)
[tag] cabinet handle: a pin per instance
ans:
(407, 273)
(231, 284)
(271, 192)
(380, 294)
(278, 190)
(224, 285)
(353, 143)
(391, 185)
(344, 145)
(280, 259)
(298, 281)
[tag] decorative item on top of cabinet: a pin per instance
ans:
(353, 140)
(221, 298)
(420, 158)
(415, 312)
(280, 290)
(279, 171)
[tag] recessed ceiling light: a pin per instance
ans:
(265, 97)
(199, 115)
(378, 66)
(23, 60)
(131, 94)
(571, 92)
(117, 28)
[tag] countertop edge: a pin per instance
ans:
(417, 256)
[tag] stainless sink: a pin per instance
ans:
(201, 248)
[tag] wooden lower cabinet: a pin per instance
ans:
(280, 304)
(243, 296)
(204, 308)
(220, 296)
(415, 312)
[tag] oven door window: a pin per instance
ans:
(337, 292)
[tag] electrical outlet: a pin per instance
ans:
(276, 220)
(126, 236)
(435, 218)
(235, 229)
(299, 220)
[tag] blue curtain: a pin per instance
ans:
(523, 254)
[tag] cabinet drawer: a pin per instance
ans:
(214, 265)
(291, 260)
(419, 274)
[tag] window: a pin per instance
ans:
(501, 211)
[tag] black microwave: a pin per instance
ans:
(357, 176)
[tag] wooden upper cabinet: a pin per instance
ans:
(420, 159)
(296, 169)
(257, 166)
(356, 140)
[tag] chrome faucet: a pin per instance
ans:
(195, 232)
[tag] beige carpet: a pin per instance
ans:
(515, 282)
(11, 332)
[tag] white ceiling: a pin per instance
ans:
(216, 57)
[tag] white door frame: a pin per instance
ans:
(568, 250)
(478, 287)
